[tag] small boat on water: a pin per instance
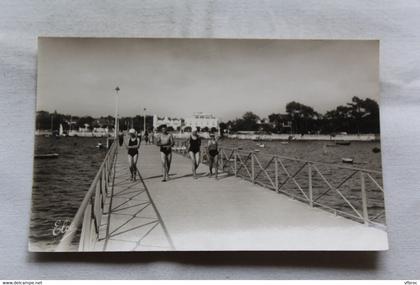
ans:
(46, 155)
(99, 145)
(338, 143)
(342, 142)
(260, 145)
(347, 160)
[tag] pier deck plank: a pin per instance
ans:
(227, 214)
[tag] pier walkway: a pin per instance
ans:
(208, 214)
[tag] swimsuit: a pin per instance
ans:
(166, 146)
(195, 145)
(166, 150)
(212, 147)
(121, 139)
(132, 151)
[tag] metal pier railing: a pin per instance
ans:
(88, 216)
(350, 192)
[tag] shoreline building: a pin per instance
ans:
(100, 132)
(202, 121)
(175, 123)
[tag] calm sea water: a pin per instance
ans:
(360, 152)
(60, 184)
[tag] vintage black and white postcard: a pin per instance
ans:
(207, 144)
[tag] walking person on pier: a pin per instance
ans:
(133, 152)
(146, 137)
(213, 155)
(165, 141)
(194, 146)
(120, 138)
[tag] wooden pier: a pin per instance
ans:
(202, 214)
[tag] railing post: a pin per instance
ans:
(108, 169)
(101, 190)
(106, 173)
(97, 213)
(85, 234)
(104, 180)
(222, 163)
(364, 198)
(252, 167)
(276, 175)
(235, 167)
(310, 185)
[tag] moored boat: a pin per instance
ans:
(343, 142)
(347, 160)
(46, 155)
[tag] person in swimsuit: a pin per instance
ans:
(194, 146)
(133, 152)
(165, 141)
(146, 137)
(120, 138)
(212, 154)
(152, 137)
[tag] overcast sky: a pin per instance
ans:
(177, 77)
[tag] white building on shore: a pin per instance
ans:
(202, 120)
(100, 132)
(169, 122)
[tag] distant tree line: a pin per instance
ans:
(48, 121)
(136, 123)
(358, 116)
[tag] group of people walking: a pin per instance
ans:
(165, 141)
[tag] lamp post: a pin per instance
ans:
(52, 124)
(117, 89)
(144, 121)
